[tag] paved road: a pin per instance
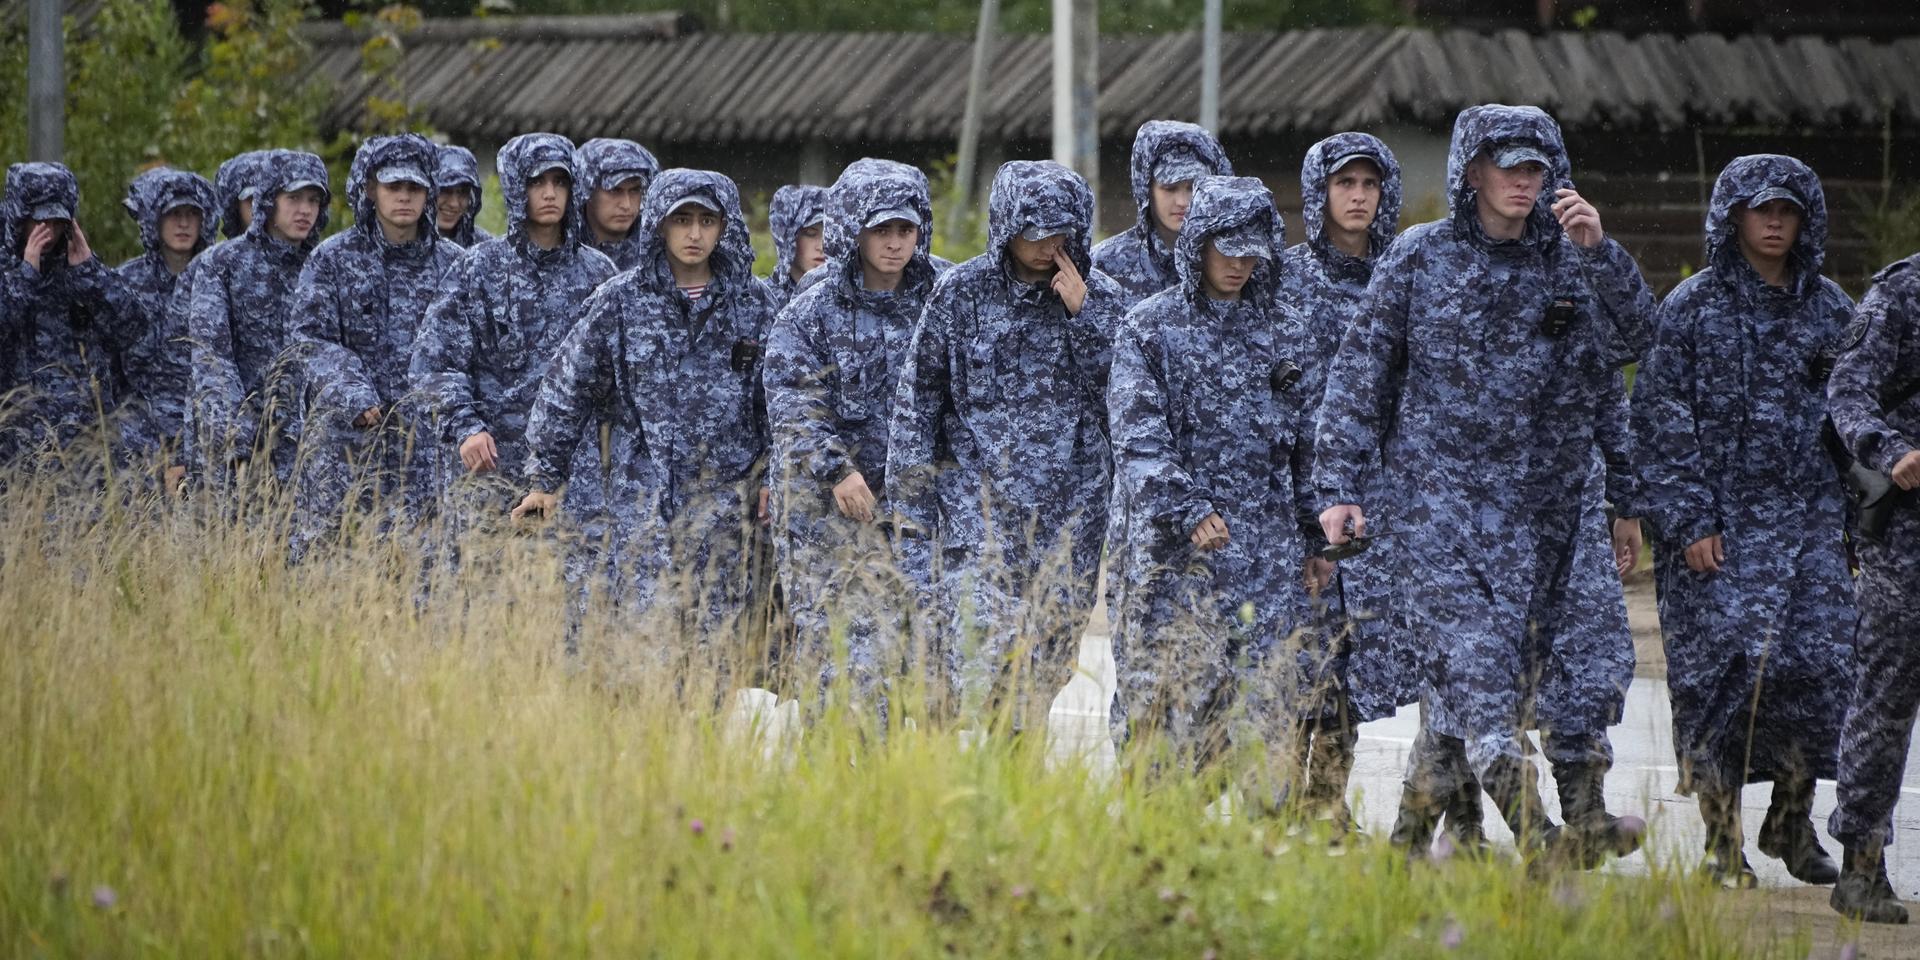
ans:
(1642, 781)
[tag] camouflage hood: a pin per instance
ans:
(1221, 205)
(867, 187)
(1040, 193)
(1741, 181)
(36, 191)
(237, 179)
(1316, 170)
(733, 255)
(1156, 139)
(526, 157)
(1490, 125)
(156, 191)
(793, 207)
(282, 170)
(403, 150)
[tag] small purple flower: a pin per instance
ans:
(1850, 951)
(1167, 895)
(1453, 936)
(1568, 895)
(1018, 891)
(104, 897)
(1210, 954)
(1443, 848)
(698, 826)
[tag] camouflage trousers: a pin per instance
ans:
(1886, 688)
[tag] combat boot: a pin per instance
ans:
(1413, 825)
(1590, 833)
(1726, 860)
(1512, 783)
(1466, 818)
(1864, 892)
(1788, 835)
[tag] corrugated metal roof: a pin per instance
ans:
(654, 77)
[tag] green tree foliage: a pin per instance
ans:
(1016, 16)
(140, 95)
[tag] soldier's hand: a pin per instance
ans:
(39, 238)
(1334, 520)
(1578, 218)
(479, 453)
(762, 512)
(1626, 544)
(1210, 534)
(173, 478)
(853, 498)
(1706, 554)
(1068, 283)
(369, 417)
(1319, 573)
(78, 252)
(539, 502)
(1906, 473)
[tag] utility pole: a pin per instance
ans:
(46, 82)
(1076, 88)
(963, 172)
(1210, 69)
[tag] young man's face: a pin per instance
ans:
(1353, 195)
(295, 213)
(180, 229)
(1170, 204)
(1509, 191)
(886, 247)
(691, 233)
(1223, 274)
(399, 205)
(1770, 229)
(1036, 255)
(547, 198)
(452, 205)
(809, 250)
(612, 211)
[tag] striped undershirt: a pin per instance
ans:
(695, 292)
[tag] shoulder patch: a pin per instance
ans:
(1856, 330)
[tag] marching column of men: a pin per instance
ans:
(1327, 482)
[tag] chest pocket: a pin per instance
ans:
(361, 326)
(978, 376)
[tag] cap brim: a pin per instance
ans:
(1180, 171)
(1242, 245)
(611, 180)
(51, 211)
(1507, 158)
(898, 213)
(402, 174)
(298, 185)
(1034, 234)
(545, 165)
(1345, 159)
(1769, 194)
(819, 220)
(697, 200)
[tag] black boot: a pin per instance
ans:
(1591, 834)
(1513, 785)
(1788, 835)
(1413, 826)
(1726, 859)
(1863, 892)
(1466, 819)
